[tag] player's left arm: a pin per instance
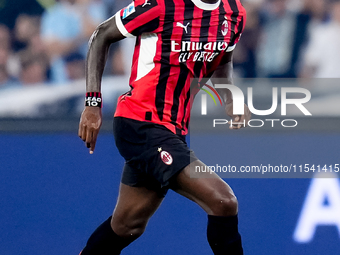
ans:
(224, 75)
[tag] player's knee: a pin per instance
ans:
(224, 205)
(133, 229)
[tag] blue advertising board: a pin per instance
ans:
(54, 194)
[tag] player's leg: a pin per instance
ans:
(134, 208)
(218, 200)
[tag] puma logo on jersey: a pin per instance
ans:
(224, 30)
(146, 3)
(182, 26)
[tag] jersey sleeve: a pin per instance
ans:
(241, 23)
(139, 17)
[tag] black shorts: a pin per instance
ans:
(153, 154)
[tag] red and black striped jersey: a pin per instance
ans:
(176, 41)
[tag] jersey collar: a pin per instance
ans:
(206, 6)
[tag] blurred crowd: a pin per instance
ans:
(45, 41)
(290, 39)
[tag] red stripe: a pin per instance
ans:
(196, 24)
(214, 20)
(160, 42)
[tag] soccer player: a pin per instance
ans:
(176, 40)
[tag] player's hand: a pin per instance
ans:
(238, 121)
(89, 125)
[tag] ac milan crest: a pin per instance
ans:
(166, 157)
(224, 29)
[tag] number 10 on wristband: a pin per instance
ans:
(93, 99)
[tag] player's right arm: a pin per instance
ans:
(138, 17)
(91, 118)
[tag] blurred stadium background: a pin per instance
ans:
(53, 194)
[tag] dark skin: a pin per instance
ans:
(91, 118)
(224, 75)
(136, 205)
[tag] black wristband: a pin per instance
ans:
(93, 99)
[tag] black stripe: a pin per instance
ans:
(177, 93)
(219, 36)
(240, 27)
(165, 57)
(185, 107)
(148, 116)
(193, 85)
(234, 16)
(204, 33)
(147, 27)
(221, 19)
(184, 72)
(188, 17)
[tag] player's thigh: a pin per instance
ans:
(135, 206)
(209, 191)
